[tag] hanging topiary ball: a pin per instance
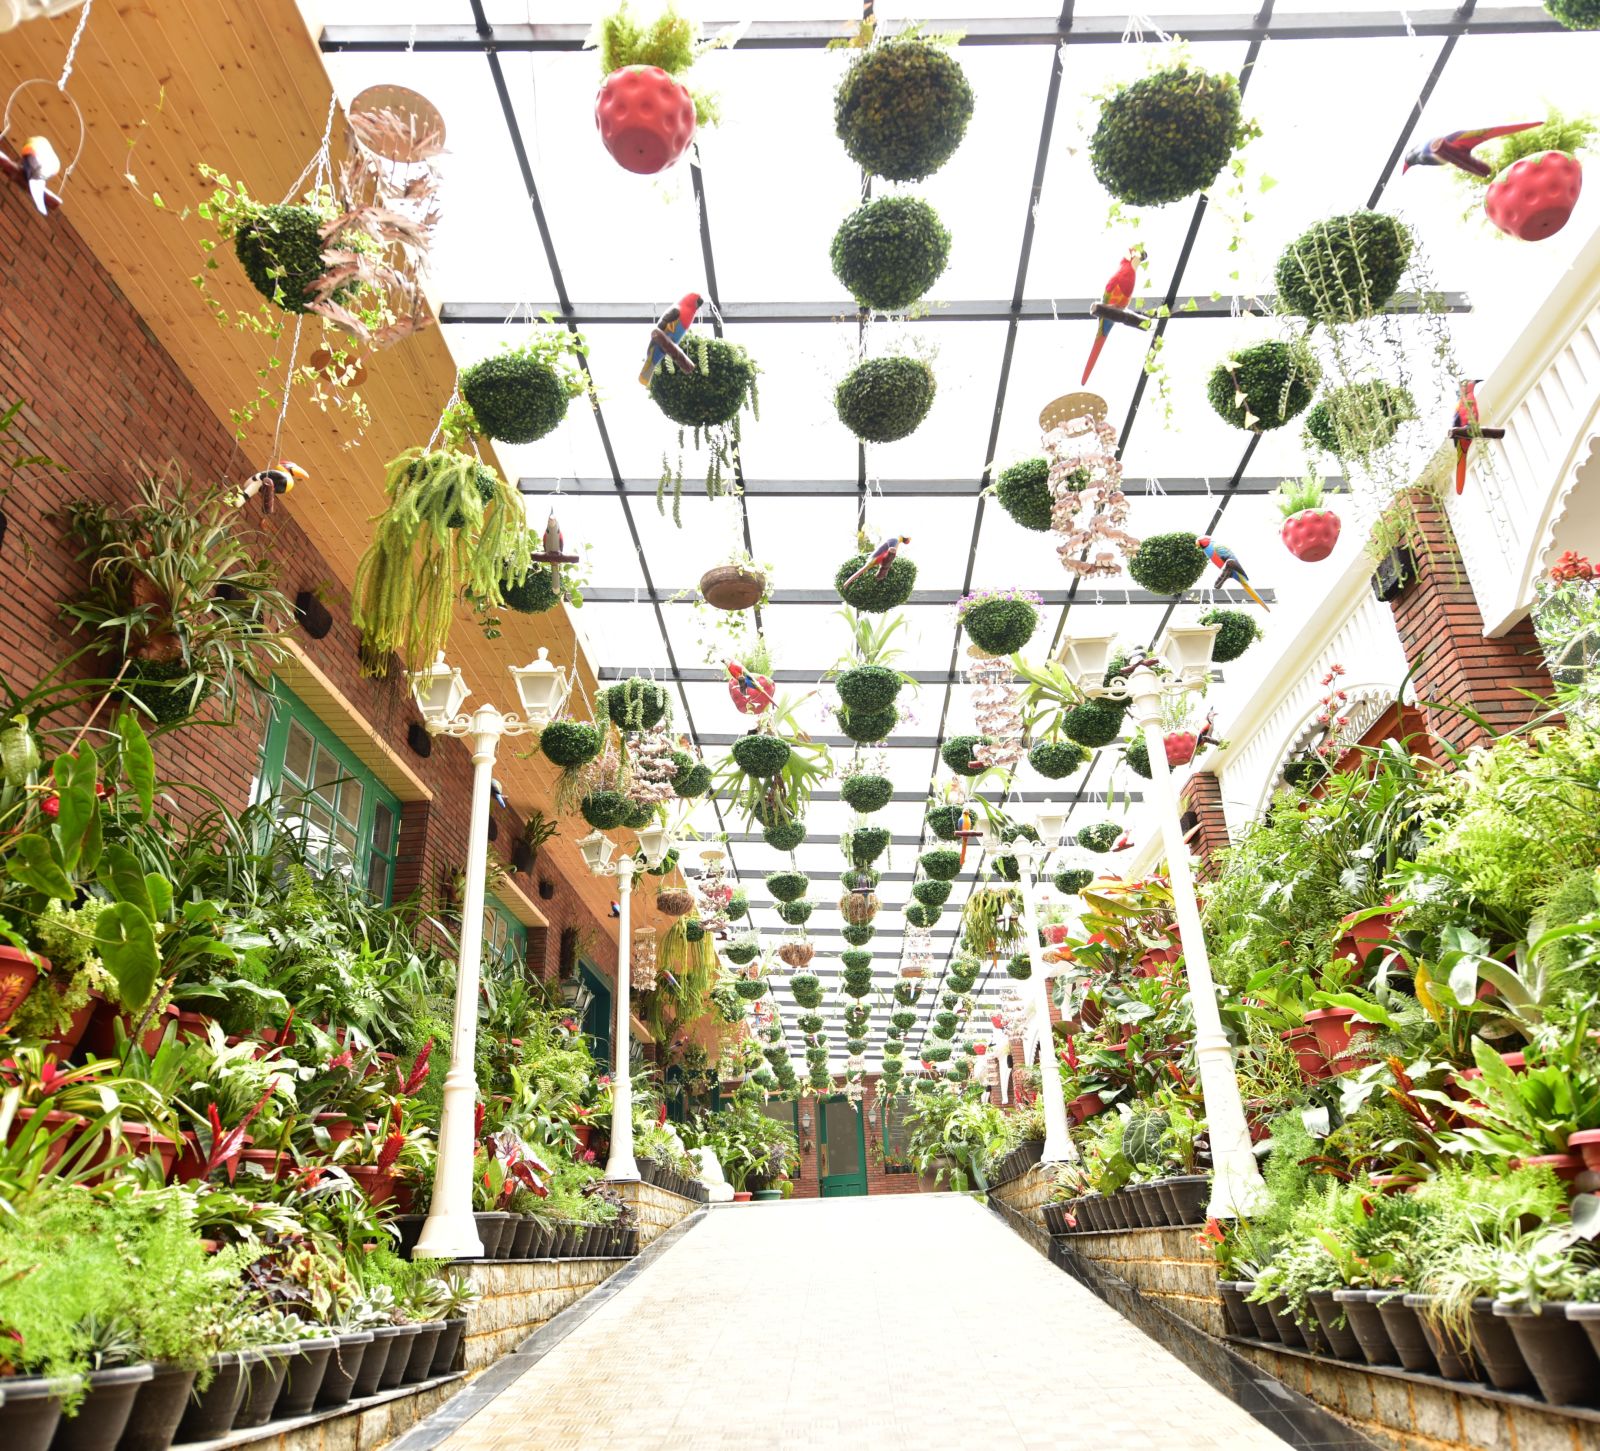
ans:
(1167, 136)
(635, 704)
(885, 399)
(931, 893)
(920, 914)
(569, 743)
(956, 753)
(942, 863)
(713, 394)
(1575, 14)
(1168, 564)
(760, 755)
(795, 914)
(280, 249)
(999, 622)
(604, 810)
(1137, 755)
(889, 252)
(515, 396)
(1020, 967)
(692, 778)
(1237, 631)
(537, 591)
(870, 594)
(1356, 421)
(868, 687)
(784, 835)
(1071, 880)
(1023, 491)
(787, 886)
(944, 821)
(1344, 269)
(857, 934)
(1055, 760)
(1095, 723)
(867, 844)
(867, 727)
(1263, 387)
(902, 108)
(866, 793)
(1102, 836)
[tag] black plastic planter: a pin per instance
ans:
(103, 1416)
(31, 1412)
(1367, 1323)
(1395, 571)
(1455, 1360)
(1405, 1330)
(1496, 1348)
(493, 1225)
(1335, 1325)
(630, 1243)
(1266, 1327)
(444, 1354)
(1234, 1309)
(420, 1362)
(522, 1236)
(409, 1229)
(210, 1412)
(157, 1409)
(314, 616)
(399, 1358)
(369, 1374)
(264, 1370)
(344, 1369)
(1557, 1351)
(1287, 1326)
(302, 1381)
(1188, 1194)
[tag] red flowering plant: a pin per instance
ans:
(1566, 617)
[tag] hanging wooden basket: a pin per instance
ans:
(674, 901)
(732, 587)
(796, 954)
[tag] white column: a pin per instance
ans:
(1058, 1145)
(620, 1163)
(1236, 1187)
(450, 1231)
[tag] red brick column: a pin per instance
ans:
(1201, 798)
(1441, 630)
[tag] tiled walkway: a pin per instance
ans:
(909, 1321)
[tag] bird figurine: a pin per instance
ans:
(1455, 149)
(271, 482)
(666, 337)
(1228, 567)
(498, 792)
(752, 694)
(1208, 732)
(1122, 843)
(552, 543)
(1118, 294)
(881, 559)
(1462, 426)
(39, 164)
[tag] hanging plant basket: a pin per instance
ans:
(857, 984)
(636, 704)
(796, 954)
(1095, 723)
(943, 863)
(168, 689)
(858, 907)
(750, 988)
(784, 835)
(605, 810)
(867, 727)
(885, 399)
(1056, 760)
(1237, 631)
(712, 395)
(889, 252)
(1262, 387)
(944, 821)
(795, 914)
(867, 688)
(515, 396)
(1019, 967)
(1360, 419)
(675, 901)
(732, 587)
(907, 992)
(999, 622)
(858, 934)
(1023, 491)
(920, 914)
(1344, 269)
(866, 793)
(870, 594)
(1072, 880)
(867, 844)
(280, 249)
(645, 118)
(742, 949)
(932, 893)
(807, 989)
(1309, 535)
(693, 778)
(1168, 564)
(1100, 837)
(570, 743)
(787, 886)
(956, 753)
(902, 108)
(537, 591)
(1166, 136)
(1534, 198)
(761, 756)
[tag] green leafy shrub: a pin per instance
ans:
(636, 704)
(902, 108)
(868, 687)
(999, 621)
(858, 934)
(867, 844)
(795, 914)
(280, 249)
(944, 821)
(569, 743)
(933, 893)
(889, 252)
(1095, 723)
(1264, 386)
(920, 914)
(866, 793)
(1167, 135)
(1023, 491)
(521, 394)
(1072, 880)
(1020, 967)
(1137, 755)
(1237, 631)
(885, 399)
(806, 987)
(1168, 564)
(1055, 760)
(1102, 836)
(539, 590)
(787, 886)
(942, 863)
(1359, 419)
(1345, 268)
(604, 810)
(693, 778)
(784, 835)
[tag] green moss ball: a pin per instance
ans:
(714, 393)
(1345, 268)
(902, 109)
(1166, 136)
(1055, 760)
(1023, 491)
(514, 396)
(1277, 382)
(890, 251)
(1168, 564)
(1237, 631)
(885, 399)
(872, 595)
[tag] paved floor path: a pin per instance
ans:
(915, 1321)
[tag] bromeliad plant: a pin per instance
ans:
(866, 679)
(769, 775)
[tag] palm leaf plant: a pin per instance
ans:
(866, 680)
(769, 775)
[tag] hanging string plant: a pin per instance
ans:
(1359, 420)
(991, 922)
(519, 394)
(889, 252)
(1344, 269)
(903, 106)
(708, 403)
(452, 526)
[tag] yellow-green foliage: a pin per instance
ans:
(671, 42)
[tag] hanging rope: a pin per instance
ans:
(320, 167)
(72, 50)
(288, 386)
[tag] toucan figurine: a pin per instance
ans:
(666, 337)
(1228, 566)
(881, 559)
(1456, 148)
(1118, 294)
(39, 164)
(752, 694)
(271, 482)
(1462, 426)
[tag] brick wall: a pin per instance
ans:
(1441, 630)
(103, 398)
(1201, 795)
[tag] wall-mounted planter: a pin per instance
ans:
(316, 619)
(1396, 570)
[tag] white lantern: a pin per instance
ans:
(541, 687)
(1086, 658)
(1050, 821)
(653, 843)
(597, 850)
(1187, 649)
(439, 692)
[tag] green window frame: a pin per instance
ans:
(348, 817)
(597, 1016)
(505, 939)
(893, 1135)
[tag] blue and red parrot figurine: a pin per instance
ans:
(39, 164)
(271, 482)
(1118, 294)
(1455, 149)
(881, 559)
(666, 337)
(1228, 567)
(1462, 426)
(752, 694)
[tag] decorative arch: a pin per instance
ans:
(1368, 704)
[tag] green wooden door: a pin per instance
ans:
(844, 1149)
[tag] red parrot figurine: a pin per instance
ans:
(1455, 149)
(881, 559)
(1118, 294)
(752, 694)
(1228, 567)
(667, 336)
(1465, 420)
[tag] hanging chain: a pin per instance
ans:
(72, 50)
(288, 386)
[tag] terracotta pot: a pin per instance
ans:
(741, 1196)
(339, 1126)
(192, 1026)
(53, 1120)
(1361, 938)
(1307, 1052)
(1567, 1166)
(1310, 534)
(1533, 198)
(100, 1038)
(141, 1140)
(729, 587)
(1331, 1026)
(18, 972)
(1586, 1144)
(646, 119)
(191, 1160)
(582, 1133)
(275, 1163)
(62, 1045)
(377, 1184)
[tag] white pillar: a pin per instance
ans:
(620, 1163)
(1058, 1145)
(1236, 1187)
(450, 1231)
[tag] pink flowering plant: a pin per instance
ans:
(999, 621)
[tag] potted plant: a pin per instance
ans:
(890, 251)
(1237, 630)
(1263, 386)
(708, 402)
(645, 115)
(1098, 837)
(1534, 176)
(866, 680)
(1309, 531)
(1023, 491)
(866, 791)
(737, 584)
(883, 400)
(520, 394)
(903, 106)
(1354, 422)
(999, 621)
(875, 591)
(1344, 269)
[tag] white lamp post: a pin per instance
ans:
(1050, 822)
(597, 853)
(1236, 1186)
(450, 1231)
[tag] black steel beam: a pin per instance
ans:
(697, 675)
(1116, 594)
(901, 488)
(978, 30)
(1046, 309)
